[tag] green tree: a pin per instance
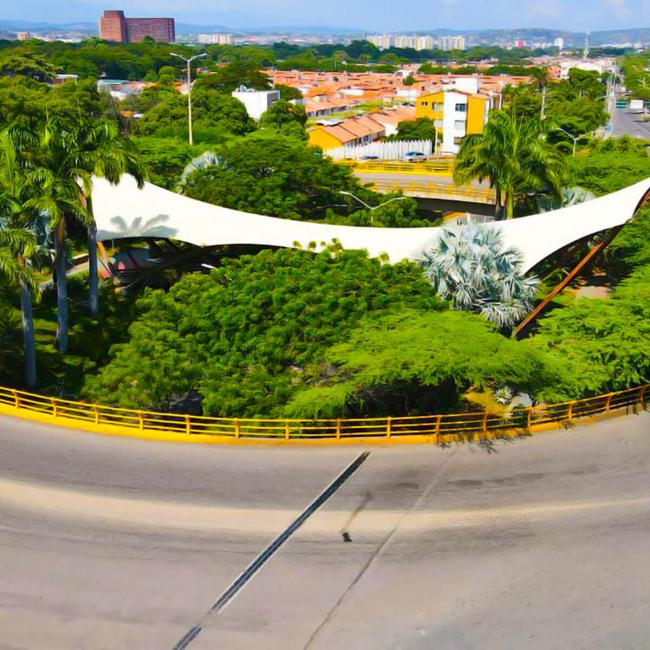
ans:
(62, 199)
(416, 362)
(421, 129)
(245, 336)
(514, 155)
(240, 72)
(274, 175)
(606, 343)
(288, 92)
(33, 66)
(96, 150)
(286, 118)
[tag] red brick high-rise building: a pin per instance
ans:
(114, 26)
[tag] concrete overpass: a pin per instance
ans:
(114, 544)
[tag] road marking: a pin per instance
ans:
(240, 582)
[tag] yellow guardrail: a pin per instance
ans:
(426, 428)
(436, 190)
(443, 167)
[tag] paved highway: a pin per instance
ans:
(626, 123)
(116, 544)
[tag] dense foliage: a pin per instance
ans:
(244, 336)
(605, 343)
(414, 363)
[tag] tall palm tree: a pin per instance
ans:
(98, 151)
(15, 246)
(19, 202)
(514, 155)
(62, 199)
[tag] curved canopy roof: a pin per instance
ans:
(124, 211)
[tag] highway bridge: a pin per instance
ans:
(430, 182)
(115, 544)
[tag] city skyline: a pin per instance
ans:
(573, 15)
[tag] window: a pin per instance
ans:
(459, 125)
(461, 108)
(438, 107)
(424, 103)
(458, 140)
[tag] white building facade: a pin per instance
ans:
(257, 102)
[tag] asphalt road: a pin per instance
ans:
(540, 543)
(626, 123)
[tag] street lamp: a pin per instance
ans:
(573, 137)
(372, 208)
(189, 90)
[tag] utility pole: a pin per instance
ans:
(189, 91)
(543, 114)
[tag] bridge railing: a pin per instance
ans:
(443, 167)
(444, 190)
(429, 428)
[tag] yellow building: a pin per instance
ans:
(455, 113)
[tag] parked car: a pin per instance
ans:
(368, 158)
(414, 156)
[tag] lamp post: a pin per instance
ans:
(574, 138)
(189, 90)
(372, 208)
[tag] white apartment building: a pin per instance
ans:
(214, 39)
(383, 42)
(257, 102)
(403, 40)
(424, 43)
(449, 43)
(559, 42)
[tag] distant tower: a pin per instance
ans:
(586, 54)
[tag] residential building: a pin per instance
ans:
(449, 43)
(559, 42)
(214, 39)
(353, 132)
(257, 102)
(383, 42)
(23, 36)
(455, 113)
(404, 41)
(425, 43)
(114, 26)
(520, 42)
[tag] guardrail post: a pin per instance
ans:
(388, 426)
(608, 402)
(569, 414)
(236, 427)
(96, 414)
(484, 426)
(188, 425)
(140, 420)
(438, 423)
(338, 428)
(16, 399)
(528, 418)
(287, 432)
(642, 396)
(54, 411)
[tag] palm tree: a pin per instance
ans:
(62, 199)
(98, 151)
(19, 203)
(16, 245)
(514, 155)
(470, 266)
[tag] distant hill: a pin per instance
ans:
(606, 37)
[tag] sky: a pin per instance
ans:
(370, 15)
